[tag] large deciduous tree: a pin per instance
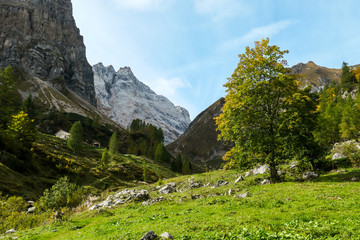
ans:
(265, 113)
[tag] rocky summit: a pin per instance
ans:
(122, 97)
(40, 37)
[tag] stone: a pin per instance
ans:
(31, 203)
(241, 178)
(265, 182)
(166, 235)
(31, 209)
(10, 231)
(341, 171)
(150, 235)
(195, 196)
(309, 175)
(338, 156)
(243, 195)
(231, 191)
(294, 164)
(220, 183)
(167, 189)
(354, 179)
(261, 170)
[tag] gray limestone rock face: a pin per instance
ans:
(40, 37)
(123, 98)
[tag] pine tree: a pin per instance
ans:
(114, 144)
(160, 152)
(348, 79)
(104, 159)
(76, 136)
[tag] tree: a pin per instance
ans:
(114, 144)
(9, 97)
(160, 153)
(350, 120)
(21, 132)
(348, 79)
(258, 109)
(105, 157)
(76, 136)
(28, 106)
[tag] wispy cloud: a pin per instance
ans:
(223, 9)
(141, 5)
(258, 33)
(169, 86)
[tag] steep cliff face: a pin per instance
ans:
(199, 143)
(122, 97)
(41, 37)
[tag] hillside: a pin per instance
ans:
(199, 143)
(52, 160)
(212, 206)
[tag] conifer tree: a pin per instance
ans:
(114, 144)
(104, 159)
(76, 136)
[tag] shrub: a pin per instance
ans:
(62, 194)
(13, 214)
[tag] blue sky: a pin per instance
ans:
(186, 49)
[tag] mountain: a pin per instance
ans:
(122, 97)
(316, 76)
(40, 37)
(199, 143)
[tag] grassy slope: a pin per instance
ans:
(53, 160)
(327, 208)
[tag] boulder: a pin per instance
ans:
(167, 189)
(10, 231)
(150, 235)
(354, 179)
(261, 170)
(309, 175)
(338, 156)
(243, 195)
(241, 178)
(220, 184)
(166, 235)
(294, 164)
(265, 182)
(31, 209)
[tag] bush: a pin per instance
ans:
(62, 194)
(352, 151)
(13, 214)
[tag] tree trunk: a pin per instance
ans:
(274, 177)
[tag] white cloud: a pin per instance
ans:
(219, 10)
(257, 33)
(141, 5)
(169, 86)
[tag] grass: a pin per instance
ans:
(327, 208)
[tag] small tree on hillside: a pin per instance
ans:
(348, 79)
(76, 136)
(104, 159)
(114, 144)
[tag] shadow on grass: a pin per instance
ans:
(340, 177)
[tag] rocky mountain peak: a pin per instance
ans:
(122, 97)
(41, 38)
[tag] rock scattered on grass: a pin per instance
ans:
(10, 231)
(243, 195)
(309, 175)
(338, 156)
(241, 178)
(220, 184)
(121, 198)
(166, 235)
(265, 182)
(354, 179)
(150, 235)
(168, 188)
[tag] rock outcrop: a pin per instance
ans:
(123, 98)
(40, 37)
